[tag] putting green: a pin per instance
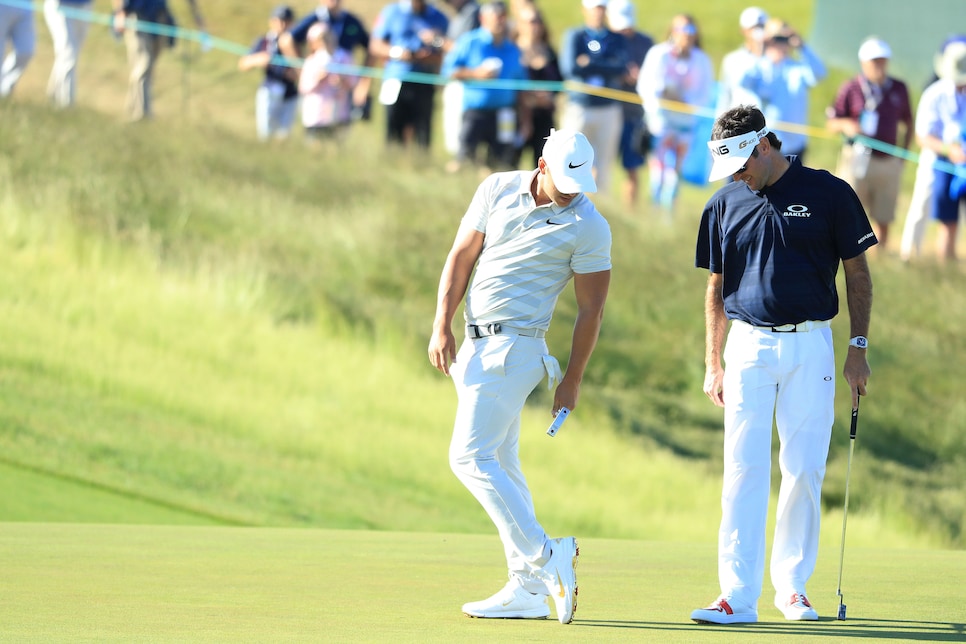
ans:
(77, 582)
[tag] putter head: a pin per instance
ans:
(841, 615)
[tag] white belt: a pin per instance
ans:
(476, 331)
(801, 327)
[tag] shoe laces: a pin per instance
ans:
(800, 600)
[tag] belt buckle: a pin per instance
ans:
(494, 328)
(785, 328)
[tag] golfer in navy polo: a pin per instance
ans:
(772, 241)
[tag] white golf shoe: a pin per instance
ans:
(796, 608)
(511, 602)
(559, 575)
(721, 611)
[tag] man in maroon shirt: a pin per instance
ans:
(868, 111)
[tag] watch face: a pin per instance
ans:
(859, 342)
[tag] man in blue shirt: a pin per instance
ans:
(594, 55)
(351, 35)
(409, 36)
(489, 112)
(772, 241)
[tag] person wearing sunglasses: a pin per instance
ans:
(772, 242)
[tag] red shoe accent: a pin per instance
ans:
(799, 598)
(722, 607)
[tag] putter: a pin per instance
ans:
(845, 513)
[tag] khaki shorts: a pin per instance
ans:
(879, 189)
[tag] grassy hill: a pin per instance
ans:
(225, 332)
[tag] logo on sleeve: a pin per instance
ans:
(797, 211)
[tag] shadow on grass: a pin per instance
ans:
(866, 628)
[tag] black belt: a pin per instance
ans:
(477, 331)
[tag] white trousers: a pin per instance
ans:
(789, 377)
(493, 377)
(274, 114)
(602, 126)
(915, 226)
(17, 26)
(67, 34)
(452, 116)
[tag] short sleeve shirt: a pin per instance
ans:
(349, 30)
(890, 102)
(471, 50)
(779, 249)
(399, 25)
(529, 252)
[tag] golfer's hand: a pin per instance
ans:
(856, 373)
(442, 349)
(566, 395)
(714, 385)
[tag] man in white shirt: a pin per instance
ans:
(526, 234)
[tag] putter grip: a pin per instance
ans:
(855, 422)
(558, 421)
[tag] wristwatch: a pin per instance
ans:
(859, 342)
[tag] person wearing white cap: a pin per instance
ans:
(525, 235)
(772, 241)
(735, 63)
(914, 228)
(635, 139)
(941, 129)
(870, 108)
(781, 81)
(595, 56)
(676, 80)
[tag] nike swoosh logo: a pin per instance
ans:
(560, 585)
(554, 223)
(508, 602)
(574, 167)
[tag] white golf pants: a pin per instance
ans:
(789, 377)
(68, 33)
(17, 26)
(493, 377)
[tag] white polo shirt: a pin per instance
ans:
(530, 252)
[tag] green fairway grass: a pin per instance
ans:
(109, 583)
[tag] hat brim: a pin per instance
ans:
(574, 182)
(732, 153)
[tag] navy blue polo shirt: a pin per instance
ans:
(348, 29)
(779, 249)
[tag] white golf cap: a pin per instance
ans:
(874, 48)
(753, 17)
(570, 160)
(732, 153)
(620, 14)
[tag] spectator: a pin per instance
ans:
(634, 136)
(17, 25)
(277, 98)
(919, 203)
(782, 82)
(408, 35)
(941, 128)
(489, 112)
(467, 19)
(326, 109)
(351, 35)
(67, 34)
(874, 105)
(593, 55)
(675, 70)
(143, 47)
(540, 60)
(737, 62)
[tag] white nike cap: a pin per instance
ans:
(732, 153)
(570, 159)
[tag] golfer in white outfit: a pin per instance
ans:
(773, 241)
(526, 234)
